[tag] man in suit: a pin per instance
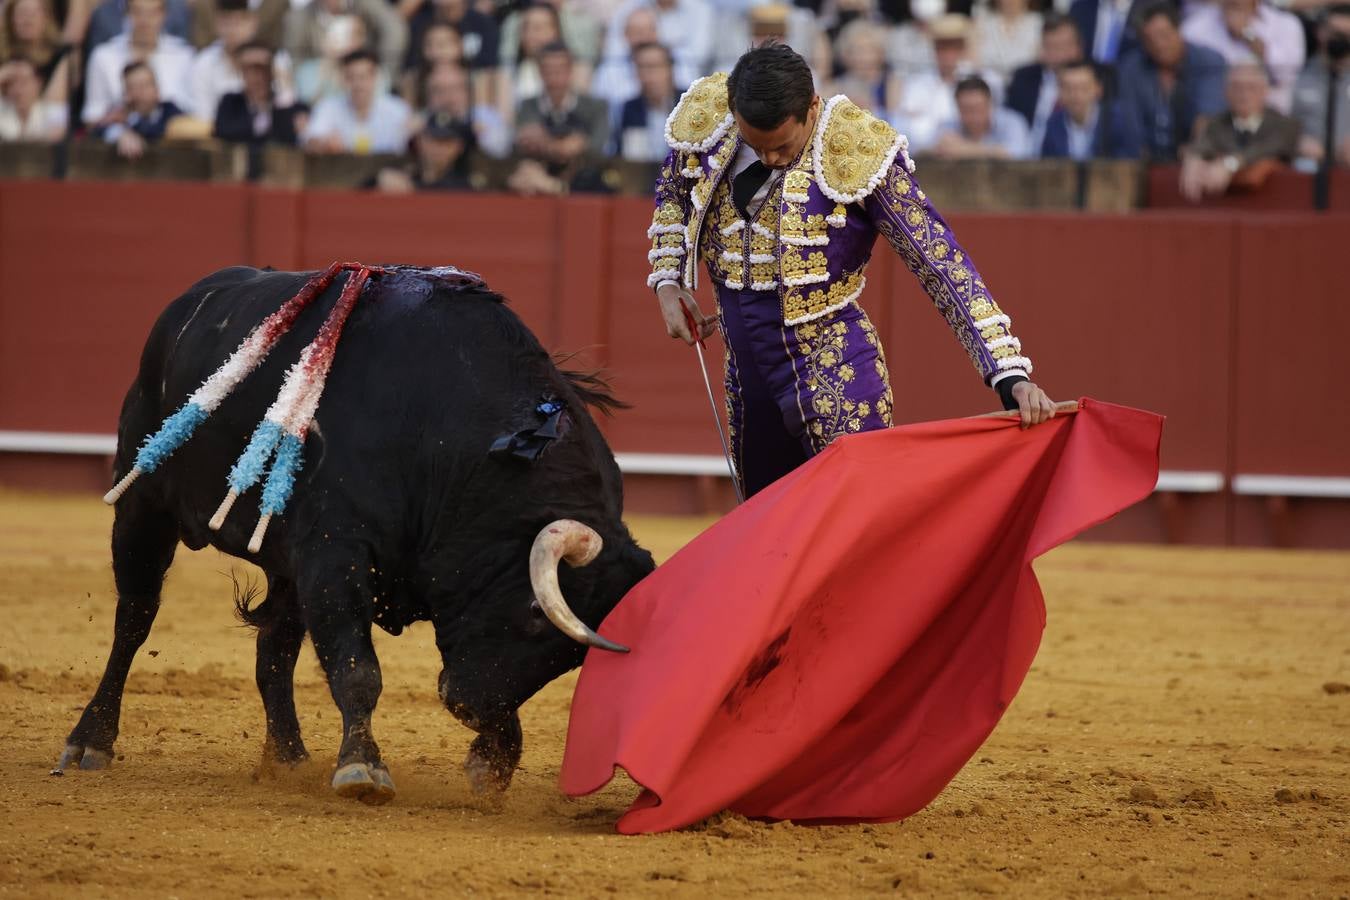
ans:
(1110, 28)
(641, 133)
(1085, 125)
(1240, 145)
(252, 115)
(1033, 90)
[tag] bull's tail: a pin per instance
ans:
(251, 611)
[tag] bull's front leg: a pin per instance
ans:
(338, 614)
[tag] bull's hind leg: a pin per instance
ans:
(337, 613)
(280, 634)
(143, 542)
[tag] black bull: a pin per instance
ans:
(400, 514)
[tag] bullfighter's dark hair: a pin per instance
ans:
(1150, 11)
(973, 83)
(361, 54)
(770, 83)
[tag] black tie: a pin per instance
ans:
(747, 184)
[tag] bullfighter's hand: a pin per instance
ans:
(1033, 404)
(674, 301)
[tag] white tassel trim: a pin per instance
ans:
(819, 240)
(734, 285)
(1005, 341)
(760, 230)
(734, 227)
(836, 221)
(662, 252)
(796, 198)
(763, 285)
(758, 258)
(832, 308)
(732, 256)
(1015, 362)
(1000, 319)
(654, 230)
(899, 145)
(689, 146)
(808, 278)
(714, 163)
(692, 173)
(663, 275)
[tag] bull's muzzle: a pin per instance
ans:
(578, 544)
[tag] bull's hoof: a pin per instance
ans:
(87, 758)
(364, 782)
(485, 778)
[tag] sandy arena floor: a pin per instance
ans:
(1184, 732)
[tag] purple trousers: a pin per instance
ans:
(791, 390)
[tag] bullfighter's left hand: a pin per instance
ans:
(1032, 404)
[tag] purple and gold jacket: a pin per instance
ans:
(813, 236)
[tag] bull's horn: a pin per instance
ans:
(578, 544)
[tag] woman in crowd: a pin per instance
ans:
(30, 32)
(442, 45)
(1007, 36)
(866, 79)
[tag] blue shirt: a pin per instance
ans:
(1161, 124)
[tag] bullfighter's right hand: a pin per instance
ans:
(674, 301)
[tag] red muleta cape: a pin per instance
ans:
(836, 649)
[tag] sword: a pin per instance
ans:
(697, 334)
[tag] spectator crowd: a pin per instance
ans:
(1225, 88)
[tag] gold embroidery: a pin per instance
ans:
(702, 108)
(824, 349)
(859, 145)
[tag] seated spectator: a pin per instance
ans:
(362, 120)
(1239, 145)
(270, 16)
(142, 117)
(442, 45)
(1310, 94)
(440, 159)
(111, 17)
(560, 128)
(169, 57)
(215, 70)
(686, 27)
(981, 130)
(865, 79)
(1110, 28)
(928, 98)
(448, 92)
(29, 32)
(540, 27)
(615, 79)
(1168, 88)
(1244, 31)
(479, 32)
(784, 23)
(1084, 125)
(641, 133)
(24, 115)
(1034, 89)
(322, 29)
(1007, 35)
(579, 31)
(256, 114)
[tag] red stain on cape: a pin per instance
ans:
(838, 647)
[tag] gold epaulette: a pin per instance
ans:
(854, 150)
(702, 116)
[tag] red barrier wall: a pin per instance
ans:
(1229, 325)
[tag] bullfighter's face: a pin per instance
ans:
(778, 147)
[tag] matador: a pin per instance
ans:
(781, 194)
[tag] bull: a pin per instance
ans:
(450, 465)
